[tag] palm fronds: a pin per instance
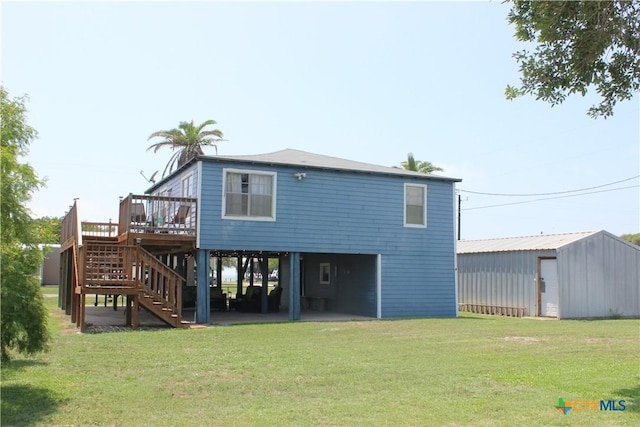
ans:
(188, 139)
(411, 164)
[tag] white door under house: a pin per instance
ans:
(548, 287)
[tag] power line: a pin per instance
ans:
(550, 194)
(552, 198)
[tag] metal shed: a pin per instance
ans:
(572, 275)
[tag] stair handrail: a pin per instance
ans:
(132, 266)
(159, 282)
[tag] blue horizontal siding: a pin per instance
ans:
(349, 213)
(174, 185)
(327, 212)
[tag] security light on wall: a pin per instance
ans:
(299, 175)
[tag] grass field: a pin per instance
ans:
(475, 370)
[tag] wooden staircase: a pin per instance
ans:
(108, 268)
(160, 290)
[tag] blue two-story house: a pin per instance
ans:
(351, 237)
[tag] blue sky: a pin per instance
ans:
(366, 81)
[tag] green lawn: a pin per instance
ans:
(475, 370)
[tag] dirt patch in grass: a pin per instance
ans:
(524, 340)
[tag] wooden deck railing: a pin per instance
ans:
(160, 282)
(70, 228)
(99, 229)
(157, 214)
(128, 267)
(108, 265)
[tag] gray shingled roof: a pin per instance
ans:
(304, 159)
(526, 243)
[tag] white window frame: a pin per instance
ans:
(188, 179)
(274, 184)
(325, 268)
(424, 206)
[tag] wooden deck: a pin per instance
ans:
(162, 225)
(126, 258)
(160, 243)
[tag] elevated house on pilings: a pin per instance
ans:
(350, 238)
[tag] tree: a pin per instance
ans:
(188, 139)
(633, 238)
(50, 228)
(412, 164)
(24, 316)
(578, 45)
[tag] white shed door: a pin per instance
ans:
(549, 287)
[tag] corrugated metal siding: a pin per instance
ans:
(525, 243)
(505, 279)
(338, 212)
(51, 266)
(599, 277)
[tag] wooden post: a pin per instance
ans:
(134, 312)
(74, 306)
(219, 271)
(128, 311)
(82, 312)
(240, 271)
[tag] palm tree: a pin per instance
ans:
(419, 166)
(188, 139)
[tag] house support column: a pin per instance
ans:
(62, 288)
(80, 322)
(219, 272)
(241, 270)
(294, 290)
(179, 267)
(132, 311)
(264, 271)
(203, 310)
(69, 285)
(379, 286)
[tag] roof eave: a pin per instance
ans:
(409, 174)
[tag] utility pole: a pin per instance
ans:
(459, 214)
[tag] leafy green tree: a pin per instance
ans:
(578, 45)
(188, 139)
(23, 317)
(633, 238)
(412, 164)
(50, 228)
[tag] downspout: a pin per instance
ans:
(455, 250)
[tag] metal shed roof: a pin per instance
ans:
(526, 243)
(300, 158)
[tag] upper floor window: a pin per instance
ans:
(187, 186)
(249, 195)
(415, 205)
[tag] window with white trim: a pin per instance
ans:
(415, 205)
(249, 195)
(187, 186)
